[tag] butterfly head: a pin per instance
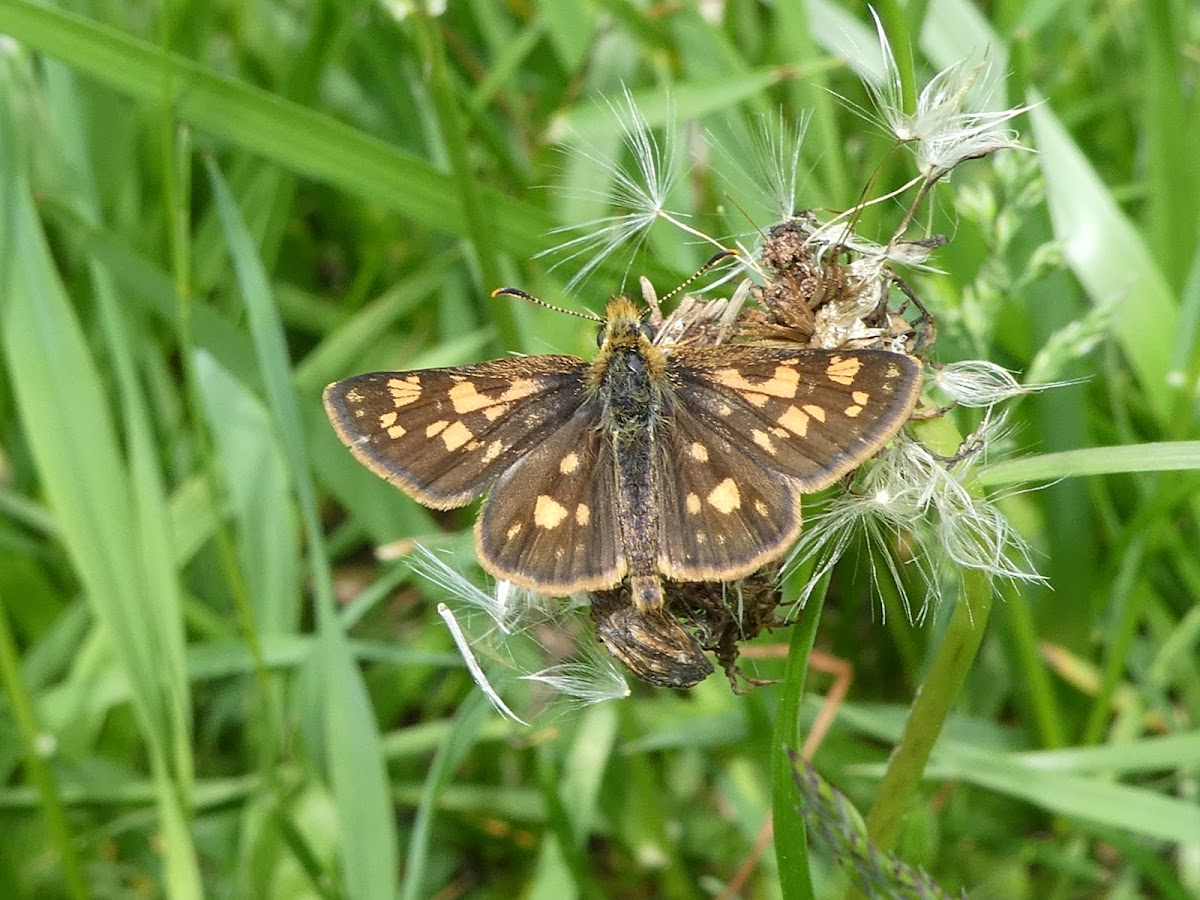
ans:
(626, 339)
(624, 327)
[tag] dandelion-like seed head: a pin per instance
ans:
(769, 164)
(640, 197)
(980, 383)
(478, 675)
(499, 606)
(942, 127)
(499, 633)
(911, 512)
(592, 677)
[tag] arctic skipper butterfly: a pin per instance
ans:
(682, 461)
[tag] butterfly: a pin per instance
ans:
(677, 461)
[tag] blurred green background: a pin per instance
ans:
(214, 686)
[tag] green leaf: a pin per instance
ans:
(1109, 258)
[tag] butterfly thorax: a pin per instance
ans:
(627, 352)
(629, 380)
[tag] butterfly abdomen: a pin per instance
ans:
(629, 377)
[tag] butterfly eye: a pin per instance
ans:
(646, 330)
(600, 332)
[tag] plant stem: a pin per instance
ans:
(39, 771)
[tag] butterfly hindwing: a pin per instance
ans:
(550, 521)
(443, 435)
(809, 415)
(723, 515)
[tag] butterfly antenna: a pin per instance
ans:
(720, 257)
(517, 292)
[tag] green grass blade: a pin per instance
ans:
(458, 739)
(1057, 780)
(39, 772)
(343, 348)
(477, 213)
(791, 836)
(1123, 807)
(256, 475)
(1110, 259)
(160, 601)
(104, 518)
(297, 138)
(687, 101)
(353, 761)
(1163, 456)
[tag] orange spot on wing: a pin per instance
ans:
(455, 435)
(843, 369)
(725, 497)
(794, 421)
(548, 513)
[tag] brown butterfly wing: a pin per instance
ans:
(723, 514)
(550, 521)
(749, 430)
(810, 415)
(443, 435)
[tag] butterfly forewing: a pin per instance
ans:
(809, 415)
(723, 514)
(550, 521)
(443, 435)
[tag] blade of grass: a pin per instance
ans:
(339, 350)
(1057, 780)
(1171, 219)
(353, 760)
(1109, 257)
(66, 419)
(160, 603)
(585, 765)
(39, 772)
(62, 704)
(688, 100)
(1161, 456)
(929, 711)
(299, 139)
(791, 837)
(1129, 809)
(477, 214)
(643, 825)
(260, 497)
(1039, 693)
(458, 740)
(940, 687)
(797, 43)
(561, 870)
